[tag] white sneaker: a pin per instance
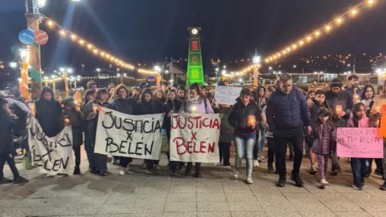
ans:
(256, 163)
(236, 175)
(249, 180)
(324, 182)
(227, 167)
(122, 172)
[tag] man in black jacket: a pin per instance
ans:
(341, 103)
(287, 114)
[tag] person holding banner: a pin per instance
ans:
(244, 117)
(6, 148)
(48, 112)
(173, 105)
(195, 104)
(71, 116)
(88, 96)
(98, 162)
(147, 105)
(359, 166)
(125, 105)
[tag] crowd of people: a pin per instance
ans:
(280, 116)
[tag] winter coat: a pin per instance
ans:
(287, 111)
(93, 123)
(351, 91)
(48, 115)
(314, 110)
(198, 106)
(152, 107)
(238, 117)
(323, 135)
(343, 98)
(362, 123)
(76, 119)
(171, 107)
(226, 129)
(126, 106)
(7, 124)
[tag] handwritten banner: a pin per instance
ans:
(359, 143)
(227, 95)
(52, 155)
(194, 138)
(136, 136)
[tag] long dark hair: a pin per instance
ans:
(355, 109)
(363, 96)
(325, 112)
(197, 87)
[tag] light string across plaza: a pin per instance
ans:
(314, 35)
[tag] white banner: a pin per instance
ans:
(52, 155)
(194, 138)
(136, 136)
(227, 95)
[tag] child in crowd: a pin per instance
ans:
(359, 166)
(324, 133)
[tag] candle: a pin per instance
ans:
(67, 121)
(251, 120)
(94, 108)
(339, 109)
(378, 109)
(32, 107)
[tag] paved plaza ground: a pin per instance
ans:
(216, 194)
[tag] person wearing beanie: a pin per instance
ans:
(70, 116)
(341, 103)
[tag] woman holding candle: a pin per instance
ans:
(71, 116)
(245, 116)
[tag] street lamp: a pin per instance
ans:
(13, 65)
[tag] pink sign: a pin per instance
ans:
(359, 143)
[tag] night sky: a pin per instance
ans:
(150, 30)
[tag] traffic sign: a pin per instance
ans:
(26, 36)
(41, 37)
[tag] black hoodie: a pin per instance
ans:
(48, 113)
(239, 116)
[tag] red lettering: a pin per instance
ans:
(179, 141)
(216, 124)
(211, 148)
(175, 120)
(202, 147)
(194, 134)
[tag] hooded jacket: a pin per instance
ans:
(48, 113)
(125, 106)
(343, 98)
(76, 119)
(6, 127)
(238, 117)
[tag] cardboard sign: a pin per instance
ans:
(194, 138)
(359, 143)
(227, 95)
(135, 136)
(52, 155)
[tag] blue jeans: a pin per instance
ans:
(244, 147)
(359, 167)
(261, 142)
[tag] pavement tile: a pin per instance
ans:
(212, 207)
(247, 196)
(317, 214)
(283, 214)
(179, 214)
(337, 206)
(248, 206)
(182, 197)
(248, 214)
(186, 188)
(275, 197)
(309, 206)
(377, 213)
(214, 214)
(300, 196)
(331, 196)
(277, 206)
(372, 205)
(180, 207)
(352, 214)
(211, 197)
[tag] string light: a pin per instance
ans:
(92, 48)
(316, 34)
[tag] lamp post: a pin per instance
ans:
(256, 61)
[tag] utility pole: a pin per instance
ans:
(33, 20)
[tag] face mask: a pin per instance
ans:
(195, 98)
